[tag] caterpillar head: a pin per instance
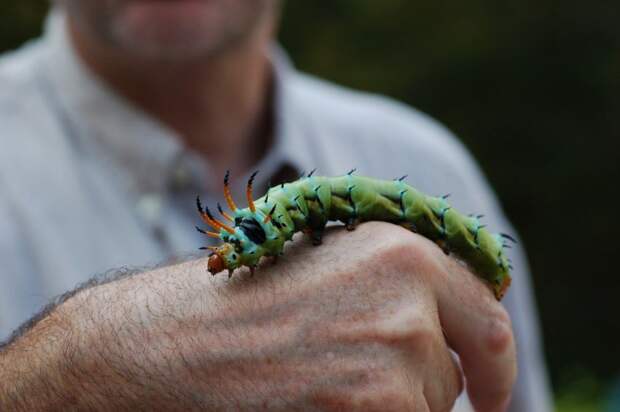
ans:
(236, 251)
(242, 241)
(224, 257)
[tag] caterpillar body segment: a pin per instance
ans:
(310, 202)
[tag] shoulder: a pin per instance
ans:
(393, 134)
(35, 149)
(26, 119)
(18, 75)
(22, 106)
(339, 105)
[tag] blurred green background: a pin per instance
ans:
(533, 89)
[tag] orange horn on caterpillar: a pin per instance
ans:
(211, 234)
(218, 224)
(248, 193)
(227, 195)
(223, 213)
(208, 218)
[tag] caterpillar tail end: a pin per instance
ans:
(500, 290)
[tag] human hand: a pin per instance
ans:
(355, 324)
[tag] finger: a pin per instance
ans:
(445, 384)
(433, 369)
(478, 328)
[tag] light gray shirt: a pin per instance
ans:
(88, 182)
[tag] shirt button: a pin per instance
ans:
(180, 178)
(149, 207)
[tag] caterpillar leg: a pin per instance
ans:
(351, 223)
(409, 226)
(444, 246)
(317, 236)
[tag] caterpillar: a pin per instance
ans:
(308, 203)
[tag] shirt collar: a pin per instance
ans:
(143, 148)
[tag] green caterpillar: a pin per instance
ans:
(309, 203)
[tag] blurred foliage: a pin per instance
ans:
(532, 87)
(20, 20)
(580, 392)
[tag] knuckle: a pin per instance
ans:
(393, 254)
(389, 395)
(381, 393)
(388, 399)
(409, 328)
(499, 337)
(423, 340)
(404, 250)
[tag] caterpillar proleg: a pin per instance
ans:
(308, 203)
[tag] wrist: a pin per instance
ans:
(31, 376)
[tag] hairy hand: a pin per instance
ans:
(363, 322)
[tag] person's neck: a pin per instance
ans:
(220, 106)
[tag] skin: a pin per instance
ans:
(346, 326)
(363, 322)
(198, 66)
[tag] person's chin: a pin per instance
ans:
(155, 27)
(174, 11)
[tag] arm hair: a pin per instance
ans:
(97, 280)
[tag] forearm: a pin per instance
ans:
(98, 349)
(31, 367)
(172, 338)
